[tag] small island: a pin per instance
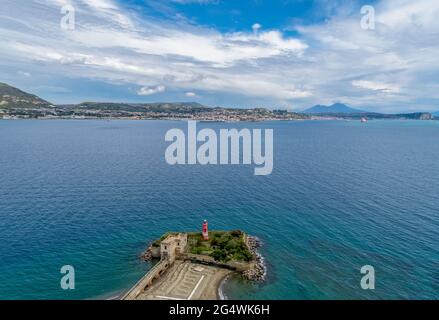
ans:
(192, 266)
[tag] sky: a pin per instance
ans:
(278, 54)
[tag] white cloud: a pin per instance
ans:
(191, 94)
(396, 59)
(376, 86)
(24, 74)
(147, 91)
(393, 66)
(182, 57)
(256, 27)
(108, 9)
(213, 48)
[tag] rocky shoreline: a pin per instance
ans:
(151, 253)
(147, 254)
(259, 272)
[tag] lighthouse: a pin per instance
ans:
(205, 230)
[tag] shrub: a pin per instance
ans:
(236, 233)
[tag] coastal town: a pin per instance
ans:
(165, 111)
(17, 104)
(192, 266)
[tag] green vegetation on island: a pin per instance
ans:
(223, 246)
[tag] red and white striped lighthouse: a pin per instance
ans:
(205, 231)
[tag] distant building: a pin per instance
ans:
(205, 230)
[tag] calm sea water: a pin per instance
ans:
(92, 194)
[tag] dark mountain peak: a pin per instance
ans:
(339, 105)
(334, 108)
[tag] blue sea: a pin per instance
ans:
(93, 194)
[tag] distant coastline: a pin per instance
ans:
(403, 117)
(212, 115)
(17, 104)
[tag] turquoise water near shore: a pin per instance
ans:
(92, 194)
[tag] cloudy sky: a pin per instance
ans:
(249, 53)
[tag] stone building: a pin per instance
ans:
(172, 246)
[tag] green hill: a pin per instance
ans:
(222, 245)
(14, 98)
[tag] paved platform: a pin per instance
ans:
(187, 281)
